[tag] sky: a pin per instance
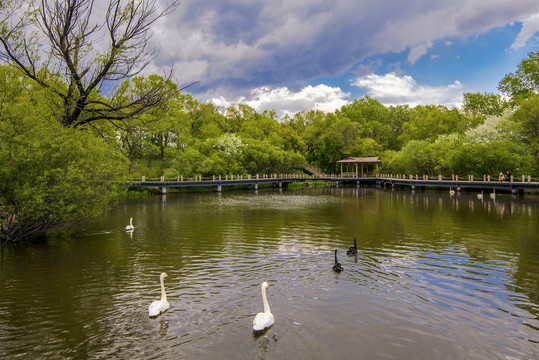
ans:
(300, 55)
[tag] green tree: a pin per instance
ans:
(264, 158)
(51, 176)
(428, 122)
(489, 158)
(527, 118)
(479, 105)
(525, 81)
(416, 157)
(397, 117)
(372, 117)
(186, 163)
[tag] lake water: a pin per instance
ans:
(436, 277)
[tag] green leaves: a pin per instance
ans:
(525, 81)
(479, 105)
(50, 175)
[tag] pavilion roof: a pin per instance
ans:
(372, 159)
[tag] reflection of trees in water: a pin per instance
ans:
(501, 230)
(512, 238)
(523, 240)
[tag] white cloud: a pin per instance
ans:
(265, 53)
(530, 26)
(239, 45)
(285, 101)
(417, 52)
(392, 89)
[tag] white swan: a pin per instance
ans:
(157, 307)
(451, 191)
(264, 319)
(493, 194)
(130, 227)
(480, 196)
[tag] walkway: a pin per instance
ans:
(458, 185)
(217, 182)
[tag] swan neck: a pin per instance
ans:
(163, 293)
(266, 304)
(131, 221)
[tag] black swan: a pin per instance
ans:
(337, 267)
(353, 249)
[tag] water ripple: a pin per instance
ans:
(422, 285)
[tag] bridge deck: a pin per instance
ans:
(457, 184)
(252, 181)
(508, 185)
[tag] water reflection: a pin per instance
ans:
(436, 276)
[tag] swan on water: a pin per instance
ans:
(451, 191)
(493, 194)
(337, 267)
(159, 306)
(264, 319)
(353, 249)
(130, 227)
(480, 196)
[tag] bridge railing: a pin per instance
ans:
(228, 177)
(469, 178)
(235, 177)
(414, 177)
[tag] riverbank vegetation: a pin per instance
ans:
(65, 145)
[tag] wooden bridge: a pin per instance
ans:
(514, 185)
(217, 182)
(382, 180)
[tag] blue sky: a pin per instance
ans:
(293, 55)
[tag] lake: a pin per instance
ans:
(436, 277)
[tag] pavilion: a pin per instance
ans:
(353, 166)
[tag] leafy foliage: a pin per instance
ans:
(525, 81)
(479, 105)
(51, 175)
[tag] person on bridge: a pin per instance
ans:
(501, 177)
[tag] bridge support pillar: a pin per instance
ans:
(280, 184)
(162, 190)
(413, 187)
(217, 188)
(256, 186)
(358, 183)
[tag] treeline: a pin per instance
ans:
(488, 135)
(186, 137)
(491, 133)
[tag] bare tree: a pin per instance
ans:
(60, 45)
